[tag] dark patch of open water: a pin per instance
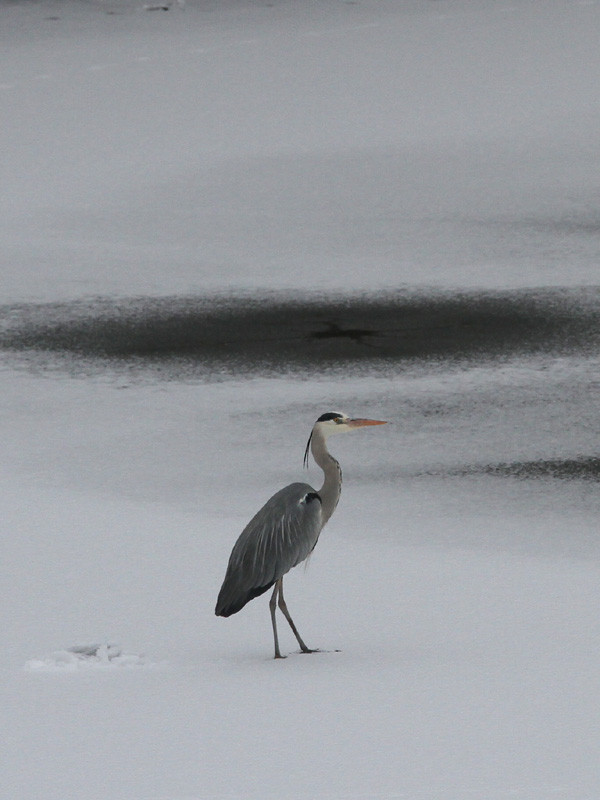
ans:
(275, 333)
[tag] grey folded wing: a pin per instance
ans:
(281, 535)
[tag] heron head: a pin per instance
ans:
(337, 422)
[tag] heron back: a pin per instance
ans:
(281, 535)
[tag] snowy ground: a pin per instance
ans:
(315, 144)
(239, 147)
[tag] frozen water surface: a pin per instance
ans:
(322, 145)
(219, 221)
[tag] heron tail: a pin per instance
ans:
(229, 602)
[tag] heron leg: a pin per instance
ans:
(273, 608)
(286, 614)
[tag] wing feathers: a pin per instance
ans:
(281, 535)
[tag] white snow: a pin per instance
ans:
(100, 655)
(241, 146)
(321, 144)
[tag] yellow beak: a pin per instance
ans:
(359, 423)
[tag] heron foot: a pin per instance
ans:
(308, 650)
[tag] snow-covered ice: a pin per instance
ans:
(325, 145)
(94, 656)
(239, 148)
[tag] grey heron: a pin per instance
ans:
(285, 530)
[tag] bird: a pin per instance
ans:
(286, 529)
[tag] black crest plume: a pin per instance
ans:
(307, 451)
(323, 418)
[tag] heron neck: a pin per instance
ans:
(332, 484)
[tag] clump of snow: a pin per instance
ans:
(85, 657)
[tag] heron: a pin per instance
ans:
(286, 529)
